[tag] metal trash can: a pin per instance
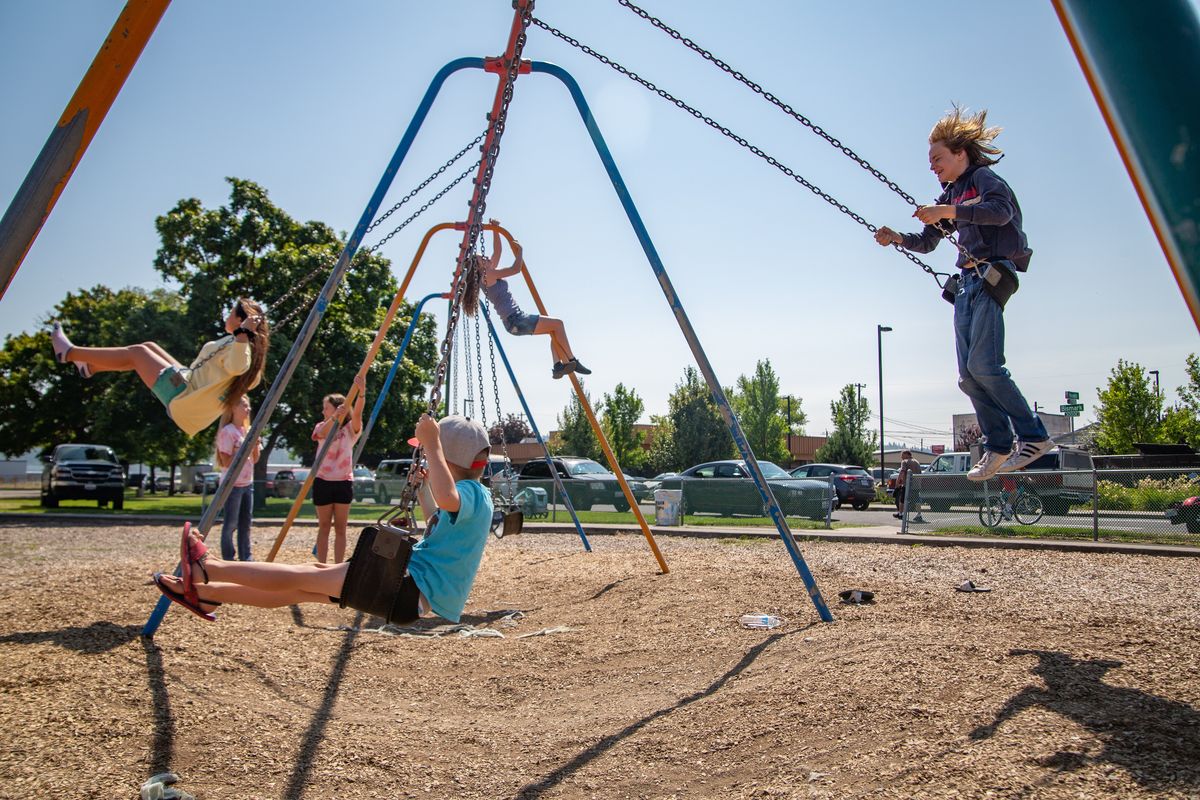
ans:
(668, 506)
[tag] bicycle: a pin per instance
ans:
(1017, 502)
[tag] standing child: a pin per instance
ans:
(239, 508)
(516, 321)
(440, 570)
(333, 488)
(194, 396)
(984, 212)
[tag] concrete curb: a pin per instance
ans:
(876, 534)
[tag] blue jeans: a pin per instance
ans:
(999, 405)
(238, 509)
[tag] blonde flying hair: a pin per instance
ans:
(960, 131)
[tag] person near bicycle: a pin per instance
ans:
(908, 466)
(983, 211)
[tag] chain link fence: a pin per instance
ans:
(1157, 506)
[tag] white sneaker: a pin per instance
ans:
(987, 466)
(1025, 454)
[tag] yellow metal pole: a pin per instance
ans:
(71, 136)
(587, 409)
(372, 352)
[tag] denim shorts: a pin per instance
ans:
(171, 383)
(519, 323)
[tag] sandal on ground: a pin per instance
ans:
(189, 600)
(192, 552)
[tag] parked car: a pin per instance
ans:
(390, 477)
(163, 483)
(585, 482)
(364, 483)
(1065, 480)
(885, 478)
(656, 481)
(289, 481)
(137, 480)
(500, 476)
(855, 486)
(83, 472)
(206, 483)
(726, 488)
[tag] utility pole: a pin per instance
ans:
(879, 331)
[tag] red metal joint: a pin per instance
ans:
(497, 65)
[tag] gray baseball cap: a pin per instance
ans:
(462, 439)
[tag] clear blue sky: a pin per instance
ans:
(310, 99)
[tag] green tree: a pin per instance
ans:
(757, 403)
(621, 411)
(43, 403)
(510, 430)
(700, 432)
(1181, 423)
(1128, 410)
(575, 431)
(251, 247)
(661, 457)
(850, 443)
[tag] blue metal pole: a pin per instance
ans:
(689, 334)
(318, 311)
(387, 383)
(562, 490)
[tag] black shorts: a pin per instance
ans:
(327, 492)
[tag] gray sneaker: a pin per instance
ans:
(988, 466)
(1025, 454)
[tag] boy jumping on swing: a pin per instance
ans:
(441, 568)
(983, 210)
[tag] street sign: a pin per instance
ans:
(1071, 413)
(1071, 410)
(1072, 397)
(937, 449)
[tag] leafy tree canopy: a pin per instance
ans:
(849, 443)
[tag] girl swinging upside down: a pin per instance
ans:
(194, 396)
(516, 321)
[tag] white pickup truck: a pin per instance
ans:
(1061, 478)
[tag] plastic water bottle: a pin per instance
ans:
(759, 621)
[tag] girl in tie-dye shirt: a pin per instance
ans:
(333, 488)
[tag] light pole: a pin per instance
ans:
(1154, 372)
(789, 424)
(879, 331)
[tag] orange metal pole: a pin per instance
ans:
(587, 409)
(70, 138)
(372, 352)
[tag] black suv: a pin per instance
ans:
(855, 486)
(83, 472)
(586, 482)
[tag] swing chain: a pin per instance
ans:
(499, 412)
(770, 98)
(476, 215)
(379, 220)
(786, 170)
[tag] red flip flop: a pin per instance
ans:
(191, 603)
(191, 552)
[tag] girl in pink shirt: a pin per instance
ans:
(333, 488)
(239, 507)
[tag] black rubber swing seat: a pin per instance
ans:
(376, 572)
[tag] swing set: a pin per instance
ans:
(1168, 192)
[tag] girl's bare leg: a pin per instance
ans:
(138, 358)
(319, 579)
(158, 349)
(324, 520)
(210, 593)
(560, 348)
(341, 515)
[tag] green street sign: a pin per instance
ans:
(1071, 413)
(1071, 410)
(1072, 397)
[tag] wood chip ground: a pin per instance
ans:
(1077, 676)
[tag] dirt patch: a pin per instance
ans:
(1076, 677)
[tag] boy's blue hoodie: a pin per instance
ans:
(988, 220)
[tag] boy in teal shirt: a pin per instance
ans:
(441, 568)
